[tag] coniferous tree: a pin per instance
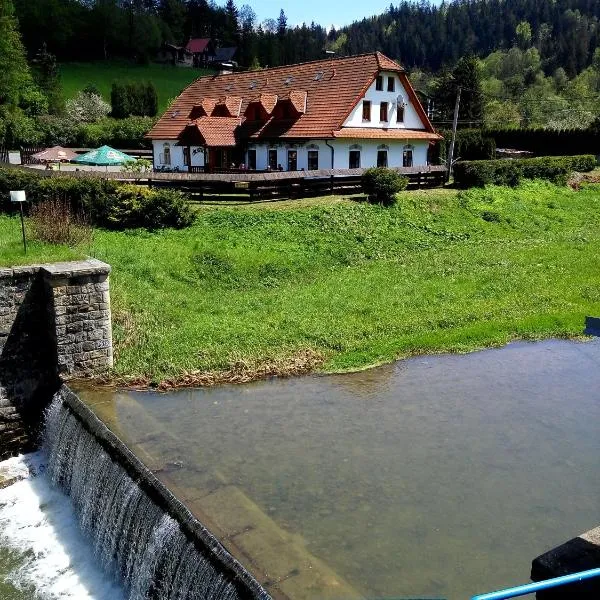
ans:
(14, 70)
(47, 77)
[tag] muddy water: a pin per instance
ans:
(434, 477)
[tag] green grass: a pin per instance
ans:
(169, 80)
(12, 252)
(357, 284)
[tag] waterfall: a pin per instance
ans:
(132, 535)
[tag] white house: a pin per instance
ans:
(351, 112)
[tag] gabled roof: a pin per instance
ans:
(211, 131)
(323, 92)
(196, 45)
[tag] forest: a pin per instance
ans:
(519, 63)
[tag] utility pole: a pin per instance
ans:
(454, 126)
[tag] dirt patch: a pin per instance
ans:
(578, 179)
(241, 371)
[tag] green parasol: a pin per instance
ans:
(104, 156)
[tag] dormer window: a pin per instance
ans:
(391, 84)
(366, 110)
(379, 83)
(383, 112)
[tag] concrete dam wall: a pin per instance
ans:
(54, 322)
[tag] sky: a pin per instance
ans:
(323, 12)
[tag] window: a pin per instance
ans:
(391, 84)
(252, 159)
(313, 160)
(400, 113)
(382, 158)
(167, 156)
(186, 156)
(273, 159)
(292, 160)
(379, 83)
(407, 157)
(383, 111)
(354, 162)
(366, 110)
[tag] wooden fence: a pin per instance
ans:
(261, 186)
(279, 185)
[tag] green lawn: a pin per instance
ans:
(169, 80)
(13, 254)
(351, 283)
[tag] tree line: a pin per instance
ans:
(419, 34)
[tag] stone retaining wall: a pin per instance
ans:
(54, 323)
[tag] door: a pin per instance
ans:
(292, 160)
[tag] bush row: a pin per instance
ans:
(103, 202)
(18, 130)
(510, 172)
(548, 142)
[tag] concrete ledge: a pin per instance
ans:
(207, 544)
(579, 554)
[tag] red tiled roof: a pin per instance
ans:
(372, 133)
(197, 45)
(212, 131)
(323, 92)
(298, 100)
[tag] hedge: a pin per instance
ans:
(548, 142)
(104, 202)
(510, 172)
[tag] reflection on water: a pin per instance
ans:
(436, 476)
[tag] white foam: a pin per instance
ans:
(37, 520)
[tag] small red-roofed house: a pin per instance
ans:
(348, 112)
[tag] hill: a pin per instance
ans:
(168, 80)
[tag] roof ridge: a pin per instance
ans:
(333, 59)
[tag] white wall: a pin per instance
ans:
(176, 155)
(368, 150)
(411, 118)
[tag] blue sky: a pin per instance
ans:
(324, 12)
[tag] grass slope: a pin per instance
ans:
(352, 283)
(169, 81)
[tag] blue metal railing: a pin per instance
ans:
(530, 588)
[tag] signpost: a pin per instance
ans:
(19, 196)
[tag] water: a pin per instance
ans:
(436, 477)
(43, 553)
(132, 537)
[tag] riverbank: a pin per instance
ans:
(280, 289)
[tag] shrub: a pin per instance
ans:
(53, 222)
(381, 185)
(87, 108)
(104, 202)
(510, 172)
(167, 208)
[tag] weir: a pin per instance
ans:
(140, 531)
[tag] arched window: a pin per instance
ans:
(354, 156)
(382, 155)
(407, 156)
(166, 157)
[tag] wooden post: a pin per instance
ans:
(454, 126)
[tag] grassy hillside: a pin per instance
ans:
(169, 81)
(344, 285)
